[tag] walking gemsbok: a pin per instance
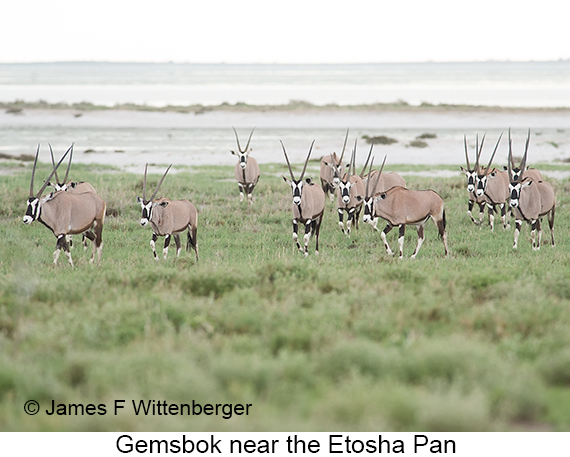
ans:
(331, 171)
(399, 207)
(308, 204)
(246, 170)
(169, 218)
(66, 213)
(531, 200)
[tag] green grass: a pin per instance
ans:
(348, 340)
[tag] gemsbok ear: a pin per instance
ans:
(463, 170)
(287, 180)
(383, 195)
(505, 168)
(309, 181)
(163, 204)
(359, 198)
(233, 152)
(526, 184)
(139, 200)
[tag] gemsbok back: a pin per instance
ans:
(331, 171)
(493, 186)
(66, 213)
(246, 170)
(308, 204)
(350, 186)
(399, 207)
(169, 218)
(531, 200)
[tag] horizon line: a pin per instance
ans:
(171, 62)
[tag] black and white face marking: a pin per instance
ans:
(471, 179)
(345, 191)
(242, 158)
(32, 210)
(368, 210)
(481, 184)
(515, 189)
(146, 207)
(297, 189)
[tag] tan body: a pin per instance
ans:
(247, 178)
(400, 207)
(495, 194)
(385, 181)
(66, 213)
(330, 174)
(354, 206)
(536, 200)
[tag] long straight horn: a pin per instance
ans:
(351, 163)
(368, 180)
(160, 183)
(523, 161)
(51, 174)
(69, 164)
(144, 182)
(237, 139)
(482, 142)
(378, 176)
(466, 152)
(367, 159)
(343, 147)
(53, 163)
(493, 156)
(307, 161)
(287, 159)
(248, 140)
(477, 153)
(34, 172)
(510, 151)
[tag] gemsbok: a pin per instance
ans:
(66, 213)
(75, 188)
(399, 207)
(331, 171)
(383, 182)
(493, 186)
(349, 187)
(471, 174)
(246, 170)
(308, 204)
(531, 200)
(169, 218)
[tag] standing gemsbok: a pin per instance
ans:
(75, 188)
(246, 170)
(350, 186)
(308, 204)
(65, 213)
(331, 171)
(493, 186)
(169, 218)
(531, 200)
(471, 174)
(399, 207)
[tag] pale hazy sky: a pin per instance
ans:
(288, 31)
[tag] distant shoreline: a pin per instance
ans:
(18, 106)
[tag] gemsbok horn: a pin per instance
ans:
(350, 186)
(246, 170)
(532, 173)
(331, 171)
(65, 213)
(531, 200)
(169, 218)
(493, 186)
(399, 207)
(308, 204)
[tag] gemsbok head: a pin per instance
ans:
(399, 207)
(66, 213)
(246, 170)
(331, 171)
(168, 218)
(492, 186)
(350, 186)
(527, 172)
(308, 204)
(530, 200)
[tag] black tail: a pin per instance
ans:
(441, 225)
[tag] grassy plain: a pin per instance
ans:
(351, 340)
